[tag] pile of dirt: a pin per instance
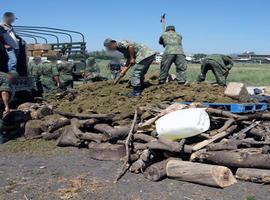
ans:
(104, 97)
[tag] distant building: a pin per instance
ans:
(252, 57)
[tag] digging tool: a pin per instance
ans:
(122, 74)
(162, 20)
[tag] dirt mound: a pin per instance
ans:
(104, 97)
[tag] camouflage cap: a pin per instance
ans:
(108, 41)
(14, 74)
(170, 28)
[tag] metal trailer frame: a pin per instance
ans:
(76, 48)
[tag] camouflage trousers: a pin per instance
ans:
(181, 67)
(139, 70)
(217, 70)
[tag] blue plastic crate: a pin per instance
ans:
(237, 108)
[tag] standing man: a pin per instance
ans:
(49, 76)
(11, 40)
(172, 41)
(66, 69)
(220, 66)
(34, 71)
(138, 56)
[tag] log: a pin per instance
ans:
(53, 126)
(41, 112)
(88, 123)
(103, 117)
(33, 129)
(157, 171)
(234, 144)
(253, 175)
(216, 137)
(52, 136)
(204, 174)
(236, 159)
(68, 138)
(173, 147)
(106, 151)
(113, 133)
(98, 138)
(143, 137)
(145, 160)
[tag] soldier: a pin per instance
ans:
(6, 80)
(220, 66)
(49, 76)
(139, 56)
(92, 71)
(172, 41)
(34, 72)
(66, 69)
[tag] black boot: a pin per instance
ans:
(137, 91)
(2, 138)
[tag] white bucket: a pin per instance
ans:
(183, 123)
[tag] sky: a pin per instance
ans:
(207, 26)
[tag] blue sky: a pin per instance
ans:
(209, 26)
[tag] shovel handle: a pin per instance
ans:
(122, 74)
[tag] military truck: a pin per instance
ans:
(46, 42)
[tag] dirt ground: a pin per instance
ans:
(39, 170)
(104, 97)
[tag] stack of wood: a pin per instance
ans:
(236, 146)
(41, 50)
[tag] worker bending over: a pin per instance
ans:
(220, 66)
(138, 56)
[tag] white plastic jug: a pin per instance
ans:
(183, 123)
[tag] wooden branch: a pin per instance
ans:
(211, 175)
(219, 112)
(128, 145)
(253, 175)
(219, 136)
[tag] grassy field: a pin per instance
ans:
(251, 74)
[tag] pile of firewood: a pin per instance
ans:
(236, 146)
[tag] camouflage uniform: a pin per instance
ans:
(92, 71)
(48, 71)
(219, 64)
(66, 69)
(172, 41)
(34, 72)
(144, 58)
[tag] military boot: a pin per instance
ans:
(137, 91)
